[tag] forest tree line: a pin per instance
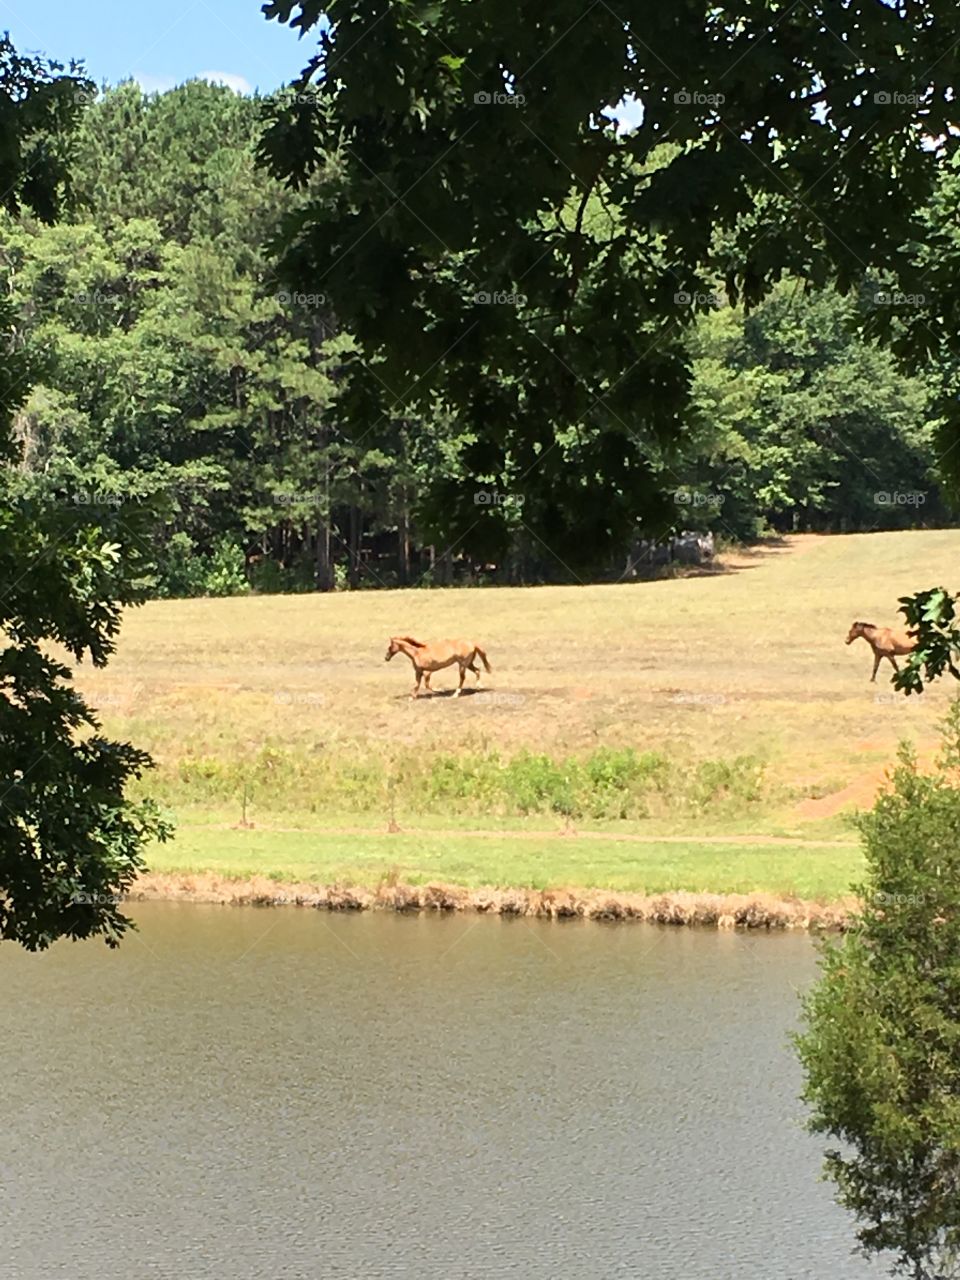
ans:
(184, 389)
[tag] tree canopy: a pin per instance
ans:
(450, 155)
(881, 1047)
(69, 840)
(176, 374)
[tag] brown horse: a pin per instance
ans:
(427, 658)
(884, 642)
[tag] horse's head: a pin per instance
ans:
(856, 629)
(392, 648)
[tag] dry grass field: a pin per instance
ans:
(749, 661)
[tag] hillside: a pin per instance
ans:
(289, 698)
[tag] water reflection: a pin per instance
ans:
(280, 1093)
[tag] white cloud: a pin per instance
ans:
(237, 83)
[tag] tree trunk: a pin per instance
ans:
(322, 571)
(353, 569)
(403, 542)
(446, 568)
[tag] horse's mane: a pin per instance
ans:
(872, 625)
(417, 644)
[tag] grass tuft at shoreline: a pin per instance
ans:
(720, 911)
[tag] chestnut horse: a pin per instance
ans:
(427, 658)
(884, 642)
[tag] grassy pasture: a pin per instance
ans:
(289, 697)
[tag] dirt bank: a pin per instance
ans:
(719, 911)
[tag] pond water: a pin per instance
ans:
(282, 1093)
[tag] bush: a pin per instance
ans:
(881, 1049)
(621, 779)
(536, 784)
(225, 572)
(183, 571)
(269, 578)
(610, 784)
(728, 783)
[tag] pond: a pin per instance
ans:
(282, 1093)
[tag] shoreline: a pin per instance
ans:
(705, 910)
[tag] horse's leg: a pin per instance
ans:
(876, 663)
(416, 687)
(463, 672)
(475, 670)
(893, 661)
(426, 681)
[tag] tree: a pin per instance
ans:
(881, 1046)
(442, 149)
(932, 618)
(173, 368)
(70, 842)
(805, 424)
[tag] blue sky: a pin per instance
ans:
(160, 42)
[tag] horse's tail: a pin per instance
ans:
(483, 658)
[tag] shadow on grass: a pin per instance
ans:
(755, 553)
(441, 693)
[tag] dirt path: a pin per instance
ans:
(862, 791)
(486, 834)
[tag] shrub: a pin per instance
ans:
(609, 784)
(538, 784)
(727, 783)
(620, 780)
(184, 571)
(225, 571)
(881, 1048)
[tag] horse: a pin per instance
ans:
(884, 642)
(436, 655)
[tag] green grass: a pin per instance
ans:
(818, 872)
